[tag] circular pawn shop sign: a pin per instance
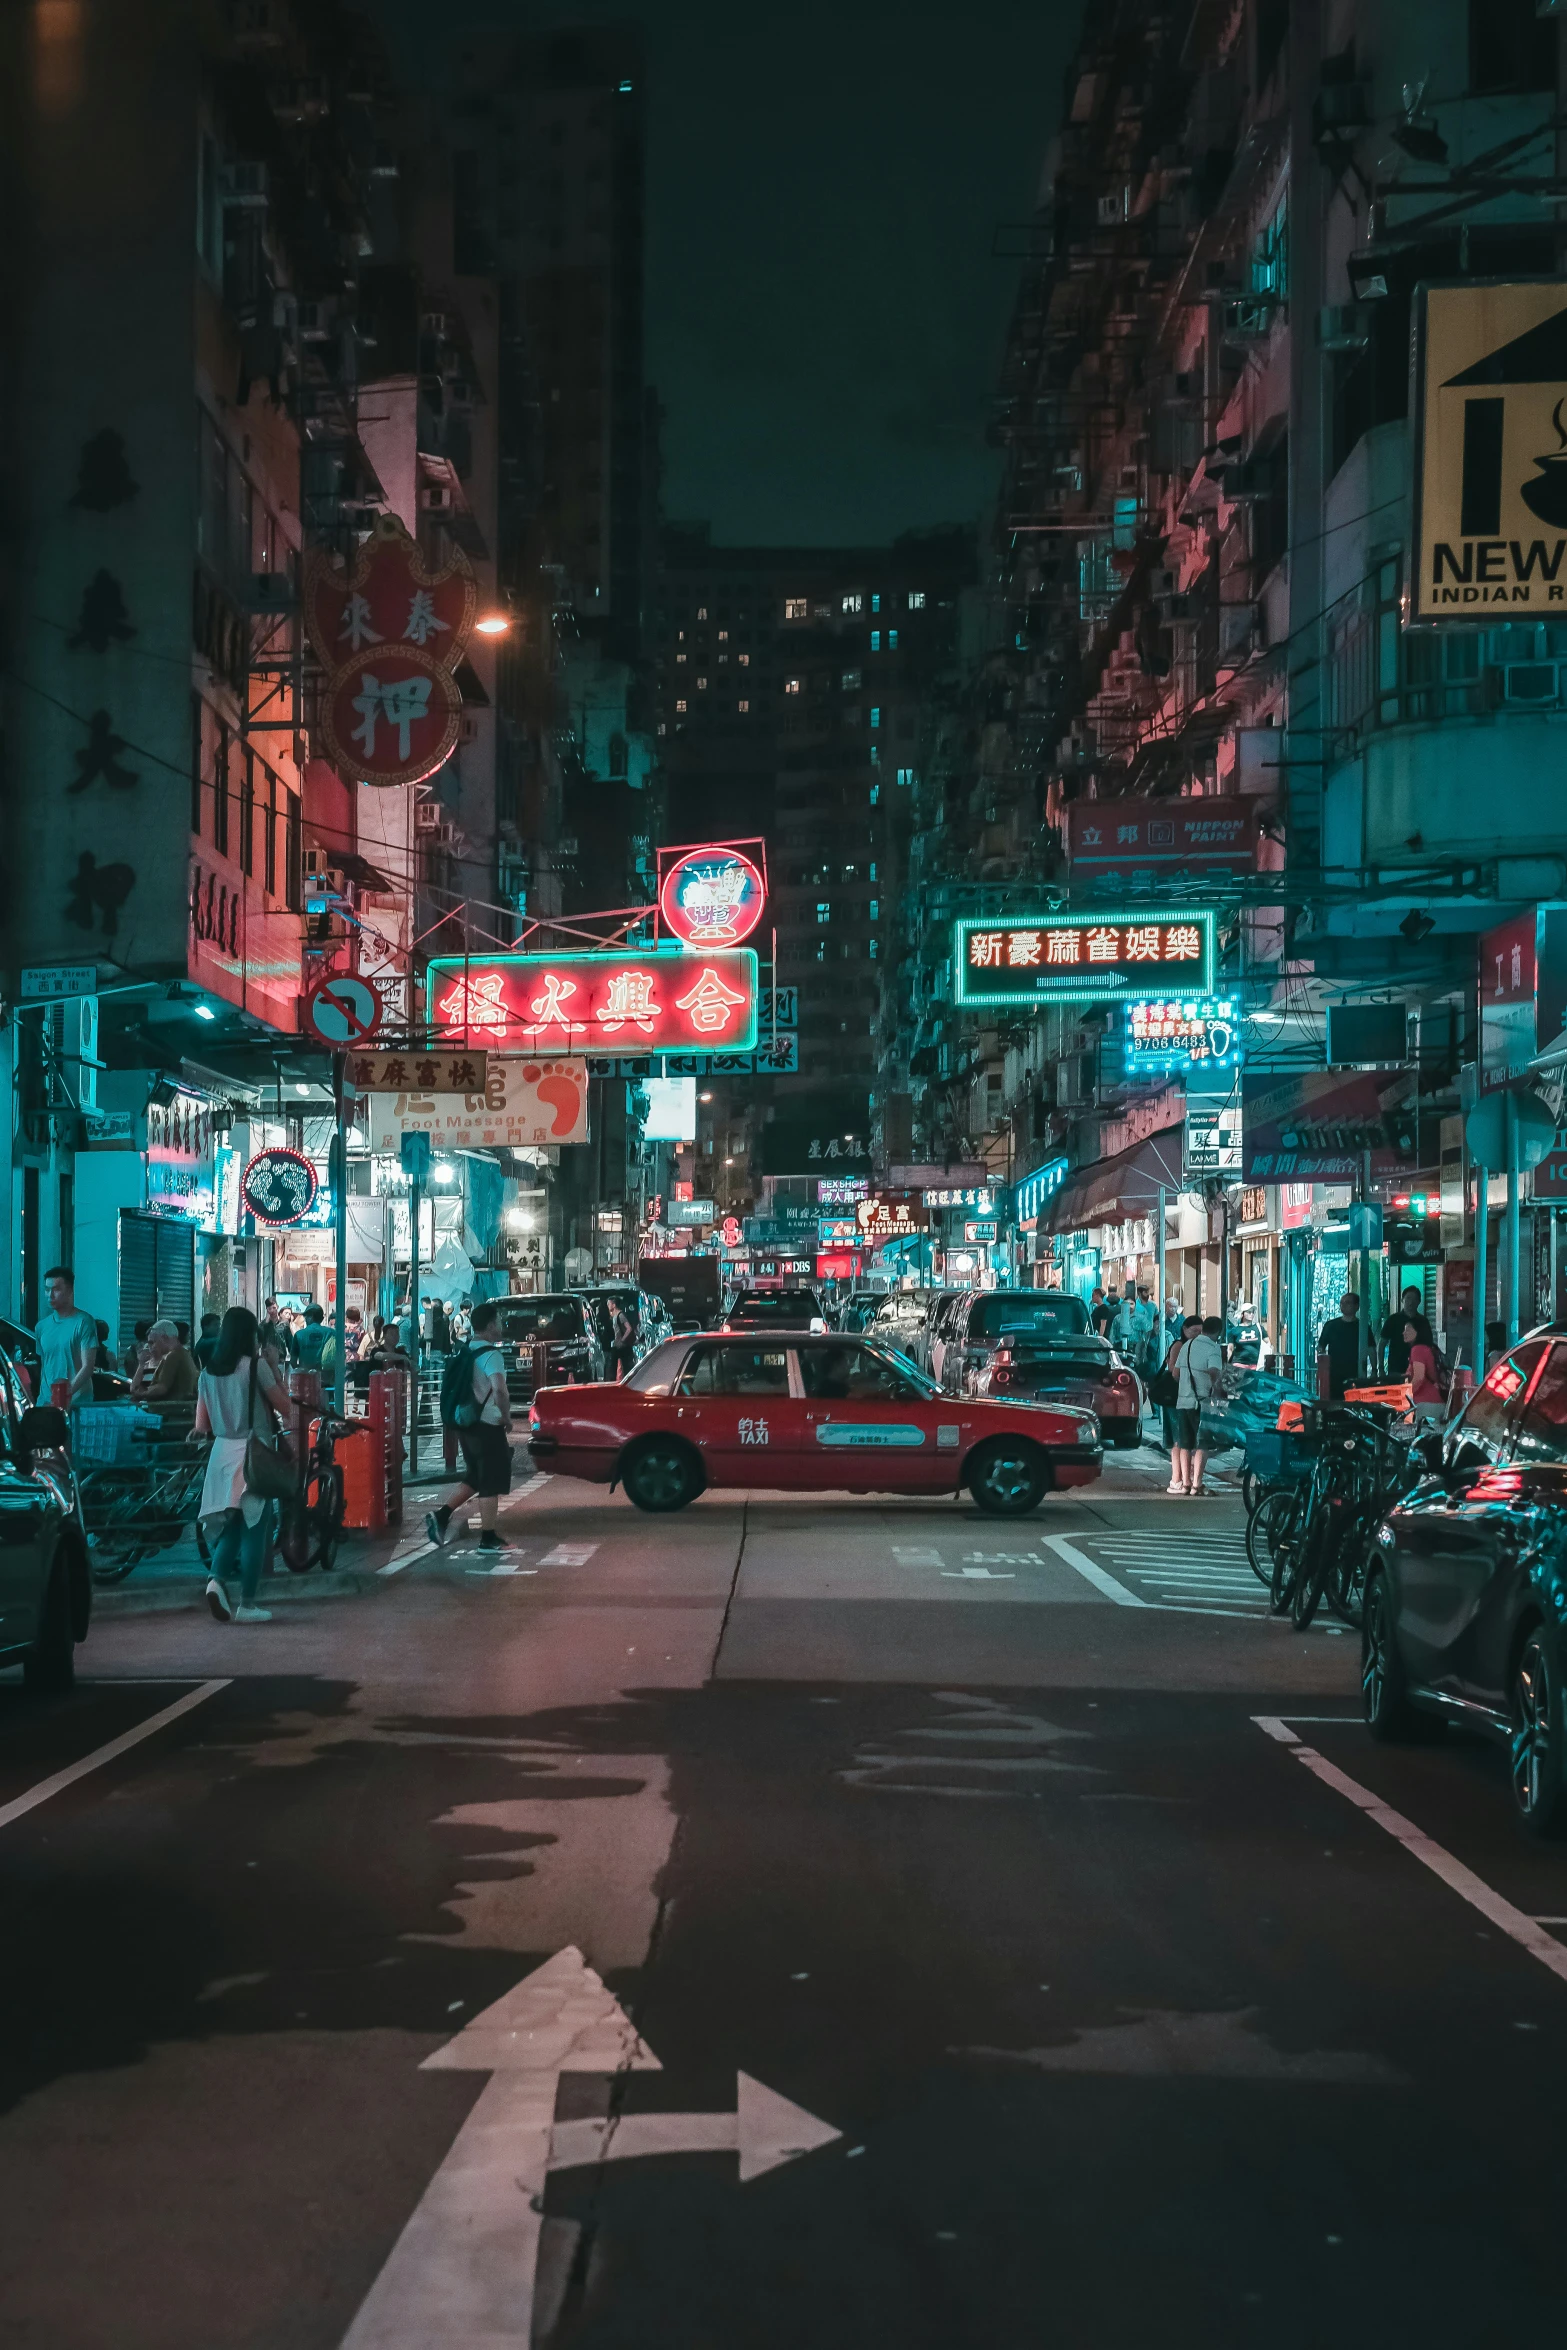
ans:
(279, 1186)
(712, 897)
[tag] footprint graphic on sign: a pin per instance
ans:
(564, 1097)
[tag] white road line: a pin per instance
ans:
(1093, 1574)
(1525, 1931)
(906, 1556)
(100, 1755)
(569, 1554)
(423, 1550)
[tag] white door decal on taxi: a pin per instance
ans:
(856, 1432)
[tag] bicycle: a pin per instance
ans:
(310, 1521)
(1318, 1536)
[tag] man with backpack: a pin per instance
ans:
(475, 1401)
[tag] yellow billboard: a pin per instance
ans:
(1491, 456)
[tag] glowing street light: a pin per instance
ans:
(493, 623)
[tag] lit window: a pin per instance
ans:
(892, 640)
(916, 599)
(876, 913)
(854, 603)
(875, 715)
(875, 640)
(875, 793)
(744, 660)
(873, 950)
(662, 728)
(821, 950)
(742, 705)
(873, 872)
(723, 636)
(722, 658)
(875, 603)
(791, 685)
(701, 611)
(701, 685)
(679, 706)
(681, 636)
(875, 754)
(680, 656)
(905, 775)
(824, 911)
(796, 608)
(851, 681)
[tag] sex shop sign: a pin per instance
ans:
(660, 1002)
(390, 633)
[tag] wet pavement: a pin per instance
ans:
(833, 1920)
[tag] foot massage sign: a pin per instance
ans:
(528, 1101)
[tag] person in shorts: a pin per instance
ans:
(486, 1443)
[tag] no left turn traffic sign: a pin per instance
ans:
(343, 1010)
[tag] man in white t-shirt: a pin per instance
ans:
(67, 1340)
(1199, 1369)
(485, 1439)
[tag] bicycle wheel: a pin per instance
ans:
(1251, 1490)
(294, 1534)
(1346, 1590)
(1316, 1560)
(1270, 1520)
(327, 1518)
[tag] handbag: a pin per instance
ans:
(1164, 1387)
(269, 1472)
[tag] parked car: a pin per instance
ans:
(1465, 1615)
(775, 1309)
(900, 1316)
(806, 1413)
(1032, 1343)
(857, 1311)
(648, 1314)
(562, 1322)
(930, 1340)
(45, 1588)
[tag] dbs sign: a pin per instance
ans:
(599, 1003)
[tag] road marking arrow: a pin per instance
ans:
(461, 2274)
(766, 2130)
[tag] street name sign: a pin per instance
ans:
(444, 1072)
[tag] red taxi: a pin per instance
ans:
(806, 1414)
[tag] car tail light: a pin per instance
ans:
(533, 1415)
(1001, 1357)
(1124, 1381)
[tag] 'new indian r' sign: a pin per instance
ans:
(619, 1002)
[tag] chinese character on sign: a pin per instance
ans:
(1104, 946)
(401, 701)
(357, 625)
(1023, 947)
(984, 950)
(1062, 946)
(1517, 976)
(1183, 943)
(710, 1003)
(1142, 944)
(474, 1003)
(548, 1007)
(423, 621)
(754, 1431)
(629, 1003)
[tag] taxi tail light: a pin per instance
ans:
(1001, 1358)
(533, 1415)
(1125, 1381)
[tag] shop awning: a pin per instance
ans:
(1115, 1190)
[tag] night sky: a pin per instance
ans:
(825, 319)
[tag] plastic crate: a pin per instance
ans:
(110, 1433)
(1279, 1452)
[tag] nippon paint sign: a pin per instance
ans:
(1491, 462)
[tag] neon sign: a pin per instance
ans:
(279, 1186)
(662, 1001)
(1082, 958)
(1183, 1030)
(712, 897)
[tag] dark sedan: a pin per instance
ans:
(775, 1309)
(561, 1323)
(1466, 1591)
(1035, 1345)
(45, 1590)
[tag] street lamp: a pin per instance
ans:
(493, 623)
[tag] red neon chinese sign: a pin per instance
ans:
(600, 1003)
(390, 633)
(712, 897)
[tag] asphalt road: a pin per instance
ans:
(1032, 1866)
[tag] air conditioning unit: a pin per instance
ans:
(1529, 685)
(70, 1043)
(429, 816)
(1248, 318)
(316, 860)
(244, 184)
(436, 497)
(1343, 326)
(467, 728)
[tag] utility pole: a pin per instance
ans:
(340, 1221)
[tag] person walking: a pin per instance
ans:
(1394, 1342)
(1198, 1364)
(67, 1342)
(1425, 1393)
(1102, 1315)
(1338, 1346)
(239, 1400)
(475, 1400)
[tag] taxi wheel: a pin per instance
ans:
(1008, 1477)
(661, 1475)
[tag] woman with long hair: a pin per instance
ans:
(240, 1395)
